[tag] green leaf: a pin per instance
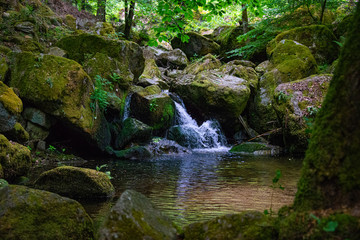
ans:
(331, 226)
(266, 212)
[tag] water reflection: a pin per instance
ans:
(202, 185)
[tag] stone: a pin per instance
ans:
(104, 28)
(10, 101)
(3, 68)
(256, 149)
(173, 59)
(164, 146)
(25, 27)
(18, 134)
(152, 76)
(22, 210)
(197, 45)
(209, 62)
(56, 51)
(76, 182)
(36, 132)
(70, 21)
(135, 217)
(38, 117)
(133, 131)
(137, 152)
(15, 159)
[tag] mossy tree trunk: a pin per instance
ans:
(331, 169)
(101, 10)
(129, 15)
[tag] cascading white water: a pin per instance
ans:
(188, 133)
(127, 107)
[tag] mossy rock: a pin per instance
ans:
(3, 68)
(135, 217)
(208, 62)
(60, 88)
(34, 214)
(14, 158)
(152, 75)
(137, 152)
(296, 105)
(38, 117)
(197, 45)
(318, 38)
(133, 131)
(70, 21)
(18, 134)
(236, 68)
(104, 28)
(76, 182)
(173, 59)
(11, 102)
(84, 46)
(152, 107)
(256, 148)
(246, 225)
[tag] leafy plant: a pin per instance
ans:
(341, 42)
(99, 96)
(283, 97)
(51, 148)
(330, 225)
(108, 173)
(275, 184)
(153, 105)
(115, 77)
(50, 82)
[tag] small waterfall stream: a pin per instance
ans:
(127, 107)
(187, 132)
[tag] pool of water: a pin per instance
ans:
(203, 185)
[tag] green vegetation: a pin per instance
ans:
(99, 96)
(275, 185)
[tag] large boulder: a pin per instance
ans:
(15, 159)
(318, 38)
(76, 182)
(62, 89)
(10, 108)
(208, 62)
(289, 61)
(256, 149)
(296, 104)
(173, 59)
(133, 131)
(246, 225)
(152, 75)
(84, 46)
(197, 45)
(137, 152)
(135, 217)
(27, 213)
(153, 107)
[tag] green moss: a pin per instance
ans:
(10, 100)
(250, 147)
(76, 182)
(70, 20)
(133, 152)
(206, 63)
(3, 68)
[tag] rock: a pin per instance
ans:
(70, 21)
(22, 208)
(133, 131)
(164, 146)
(25, 27)
(60, 88)
(76, 182)
(296, 104)
(153, 107)
(209, 62)
(318, 38)
(104, 28)
(36, 132)
(3, 68)
(152, 76)
(18, 134)
(10, 101)
(289, 61)
(185, 136)
(227, 37)
(138, 152)
(55, 51)
(7, 121)
(256, 148)
(38, 117)
(197, 45)
(263, 67)
(15, 159)
(84, 46)
(246, 225)
(175, 59)
(236, 68)
(134, 217)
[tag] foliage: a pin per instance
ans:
(99, 96)
(108, 173)
(283, 97)
(341, 42)
(153, 105)
(275, 184)
(330, 225)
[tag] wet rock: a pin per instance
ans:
(133, 131)
(104, 28)
(246, 225)
(256, 149)
(15, 159)
(152, 76)
(164, 146)
(209, 62)
(197, 45)
(22, 208)
(134, 217)
(138, 152)
(18, 134)
(36, 132)
(76, 182)
(38, 117)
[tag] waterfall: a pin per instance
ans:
(188, 133)
(127, 107)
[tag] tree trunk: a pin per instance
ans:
(331, 170)
(323, 6)
(83, 4)
(244, 18)
(101, 12)
(129, 19)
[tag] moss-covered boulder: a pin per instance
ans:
(197, 45)
(289, 61)
(18, 134)
(27, 213)
(152, 75)
(226, 37)
(104, 28)
(62, 89)
(10, 108)
(135, 217)
(3, 68)
(318, 38)
(214, 94)
(153, 107)
(246, 225)
(207, 62)
(173, 59)
(244, 70)
(85, 46)
(38, 117)
(76, 182)
(133, 131)
(15, 159)
(137, 152)
(256, 148)
(296, 104)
